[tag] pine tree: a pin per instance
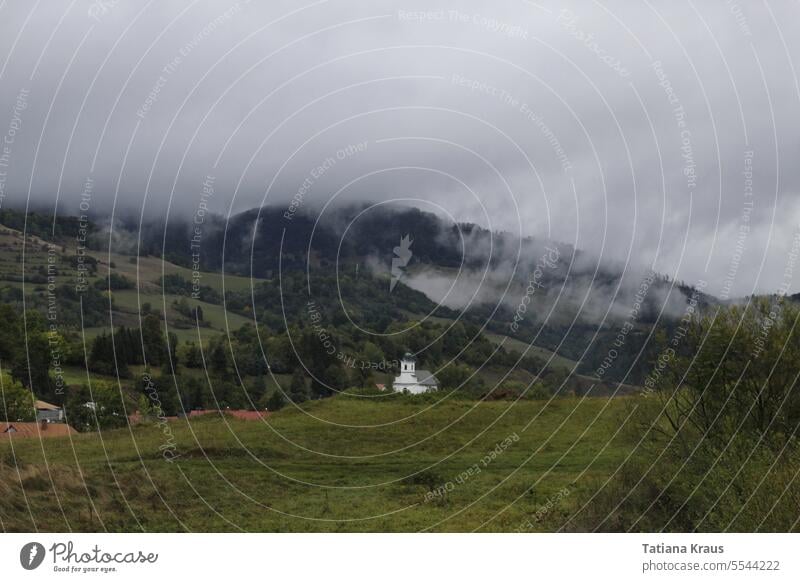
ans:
(298, 390)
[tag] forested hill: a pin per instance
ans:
(259, 241)
(537, 291)
(543, 294)
(262, 241)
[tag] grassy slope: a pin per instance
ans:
(145, 270)
(351, 483)
(215, 315)
(551, 358)
(150, 269)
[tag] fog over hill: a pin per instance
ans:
(459, 265)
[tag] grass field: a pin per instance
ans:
(343, 464)
(554, 360)
(215, 316)
(150, 269)
(144, 270)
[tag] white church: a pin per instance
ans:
(412, 380)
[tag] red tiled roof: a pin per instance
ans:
(136, 417)
(35, 430)
(247, 414)
(202, 412)
(240, 414)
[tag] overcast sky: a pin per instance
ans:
(628, 129)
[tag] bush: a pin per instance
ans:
(715, 433)
(114, 282)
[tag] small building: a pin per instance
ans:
(46, 412)
(412, 380)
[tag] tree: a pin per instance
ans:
(102, 359)
(720, 413)
(96, 409)
(298, 389)
(191, 393)
(10, 332)
(190, 355)
(276, 401)
(16, 401)
(281, 356)
(114, 282)
(32, 363)
(218, 358)
(454, 375)
(258, 388)
(736, 375)
(153, 340)
(246, 347)
(333, 380)
(162, 394)
(320, 362)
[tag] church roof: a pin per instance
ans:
(425, 378)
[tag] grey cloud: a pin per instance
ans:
(491, 112)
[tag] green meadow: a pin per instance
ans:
(347, 463)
